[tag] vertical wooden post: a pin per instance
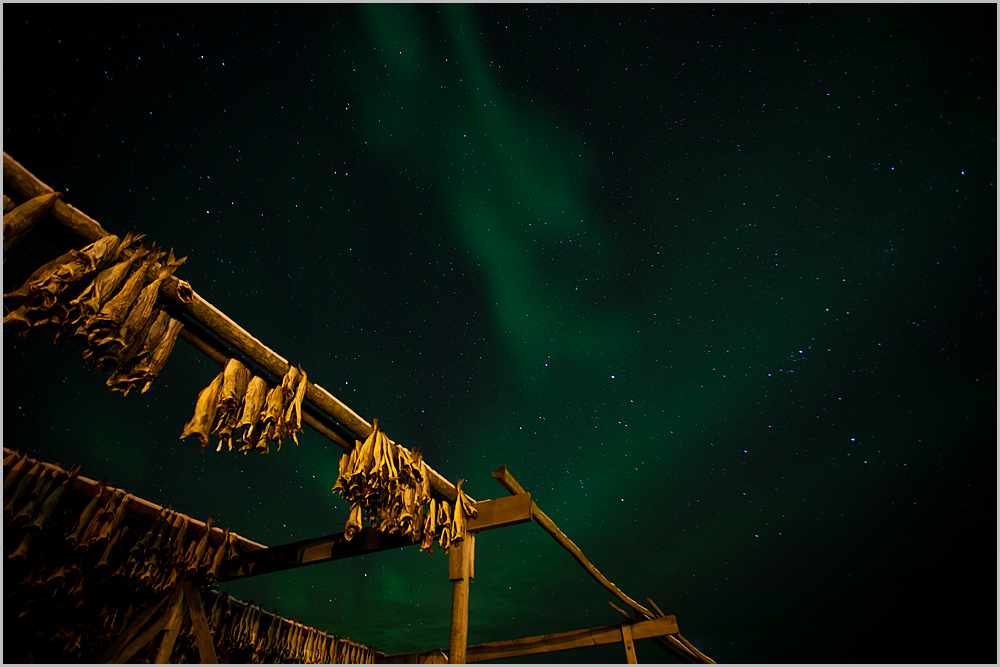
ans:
(460, 571)
(174, 616)
(629, 644)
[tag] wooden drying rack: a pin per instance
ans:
(331, 418)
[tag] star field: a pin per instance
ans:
(715, 284)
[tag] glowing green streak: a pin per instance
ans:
(515, 186)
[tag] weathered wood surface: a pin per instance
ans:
(129, 633)
(26, 185)
(175, 617)
(19, 221)
(629, 644)
(202, 633)
(608, 634)
(460, 571)
(507, 480)
(180, 293)
(490, 514)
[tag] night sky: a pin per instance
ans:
(715, 283)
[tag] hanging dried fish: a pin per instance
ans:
(140, 315)
(156, 348)
(22, 487)
(235, 379)
(253, 405)
(353, 522)
(294, 387)
(204, 412)
(102, 288)
(86, 516)
(463, 512)
(40, 290)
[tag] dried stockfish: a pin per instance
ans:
(40, 290)
(105, 326)
(204, 412)
(150, 360)
(236, 378)
(102, 288)
(463, 512)
(139, 318)
(253, 404)
(294, 386)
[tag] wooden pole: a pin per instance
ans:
(175, 616)
(460, 571)
(202, 633)
(507, 480)
(629, 644)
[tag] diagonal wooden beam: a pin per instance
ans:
(202, 633)
(507, 480)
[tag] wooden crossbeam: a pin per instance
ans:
(490, 514)
(608, 634)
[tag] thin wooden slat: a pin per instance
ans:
(202, 634)
(507, 480)
(629, 644)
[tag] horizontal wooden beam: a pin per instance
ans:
(490, 514)
(608, 634)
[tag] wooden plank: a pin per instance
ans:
(507, 480)
(490, 514)
(140, 642)
(312, 551)
(629, 644)
(175, 617)
(501, 512)
(130, 632)
(609, 634)
(460, 565)
(202, 634)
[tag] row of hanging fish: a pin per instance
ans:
(104, 297)
(77, 575)
(152, 559)
(390, 485)
(247, 633)
(239, 400)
